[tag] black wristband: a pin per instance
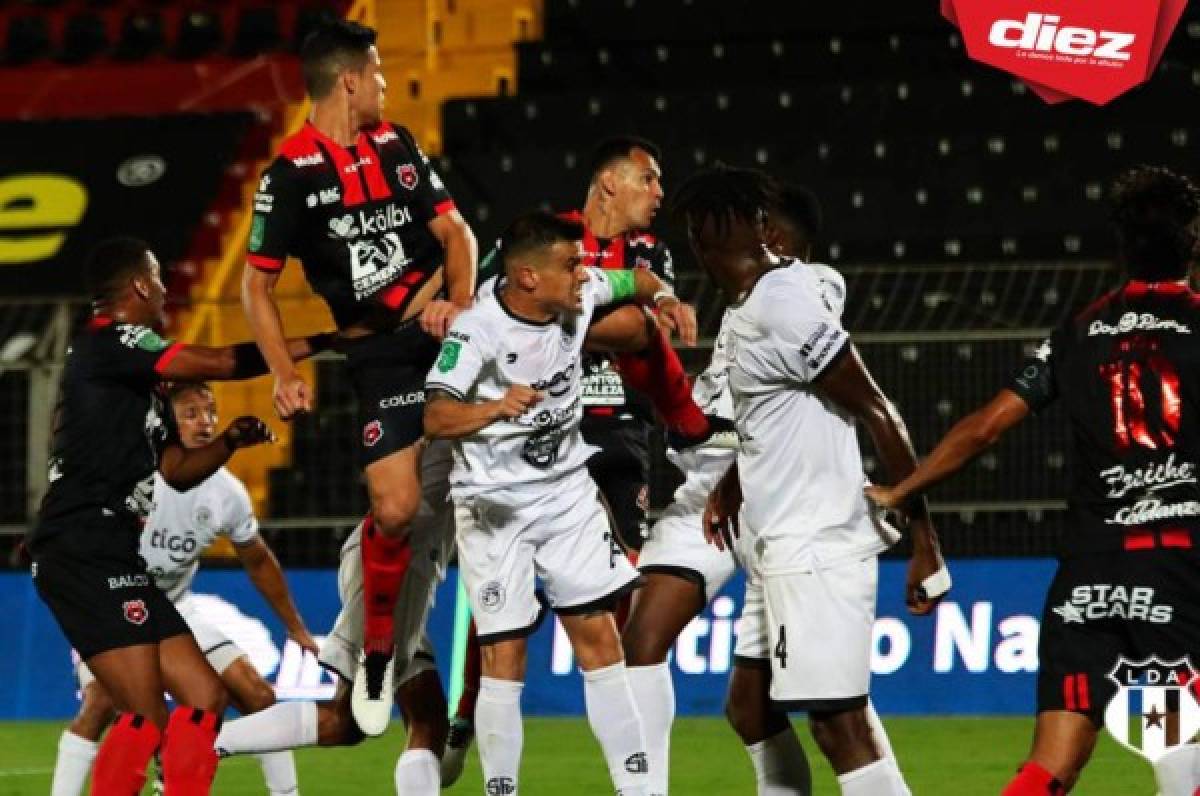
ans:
(248, 361)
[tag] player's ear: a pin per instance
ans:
(140, 282)
(349, 79)
(771, 235)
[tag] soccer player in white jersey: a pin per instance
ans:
(181, 526)
(798, 389)
(683, 572)
(506, 388)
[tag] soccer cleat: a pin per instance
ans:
(372, 693)
(458, 741)
(722, 435)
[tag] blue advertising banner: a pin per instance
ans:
(977, 654)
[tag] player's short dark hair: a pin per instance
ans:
(724, 194)
(535, 230)
(332, 47)
(178, 388)
(1155, 212)
(613, 149)
(799, 208)
(112, 263)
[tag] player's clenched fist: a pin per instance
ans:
(518, 400)
(292, 396)
(246, 431)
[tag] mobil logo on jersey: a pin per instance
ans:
(1066, 49)
(1154, 709)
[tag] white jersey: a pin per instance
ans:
(183, 524)
(799, 464)
(702, 466)
(486, 351)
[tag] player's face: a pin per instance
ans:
(156, 291)
(196, 416)
(562, 276)
(372, 88)
(638, 189)
(722, 251)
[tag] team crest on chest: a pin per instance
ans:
(406, 173)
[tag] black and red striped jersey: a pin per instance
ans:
(110, 425)
(1127, 371)
(356, 217)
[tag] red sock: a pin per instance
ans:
(188, 758)
(472, 670)
(121, 764)
(658, 372)
(1033, 780)
(384, 562)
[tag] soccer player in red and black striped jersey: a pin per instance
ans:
(1127, 372)
(355, 200)
(112, 431)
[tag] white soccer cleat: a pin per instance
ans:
(462, 732)
(372, 693)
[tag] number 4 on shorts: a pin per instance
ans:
(781, 647)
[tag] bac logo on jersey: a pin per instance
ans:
(407, 174)
(135, 612)
(372, 433)
(1147, 693)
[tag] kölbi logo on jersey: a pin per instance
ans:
(1154, 709)
(1068, 49)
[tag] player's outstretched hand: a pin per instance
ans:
(721, 513)
(928, 580)
(247, 430)
(307, 643)
(292, 396)
(678, 317)
(519, 399)
(437, 317)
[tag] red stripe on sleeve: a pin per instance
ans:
(165, 359)
(443, 207)
(264, 263)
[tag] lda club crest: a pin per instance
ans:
(1154, 709)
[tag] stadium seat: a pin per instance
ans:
(84, 37)
(141, 35)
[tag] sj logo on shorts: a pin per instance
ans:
(1154, 709)
(135, 612)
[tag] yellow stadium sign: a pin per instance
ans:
(34, 209)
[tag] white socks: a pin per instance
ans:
(780, 765)
(499, 733)
(284, 725)
(279, 771)
(1175, 772)
(74, 763)
(654, 694)
(881, 778)
(418, 773)
(616, 723)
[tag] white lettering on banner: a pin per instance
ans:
(898, 645)
(1018, 651)
(953, 633)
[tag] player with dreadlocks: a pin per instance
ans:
(791, 504)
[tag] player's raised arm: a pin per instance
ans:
(262, 567)
(185, 362)
(292, 394)
(184, 468)
(644, 286)
(449, 417)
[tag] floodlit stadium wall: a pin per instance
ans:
(977, 655)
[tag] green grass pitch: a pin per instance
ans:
(960, 756)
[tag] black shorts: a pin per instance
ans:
(104, 603)
(622, 471)
(388, 372)
(1106, 607)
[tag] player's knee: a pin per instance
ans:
(258, 696)
(503, 660)
(336, 726)
(644, 645)
(394, 512)
(841, 732)
(95, 713)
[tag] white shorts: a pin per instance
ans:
(220, 650)
(676, 546)
(432, 540)
(558, 535)
(815, 628)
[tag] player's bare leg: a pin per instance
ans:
(848, 740)
(189, 759)
(250, 693)
(1062, 744)
(79, 742)
(780, 765)
(132, 678)
(423, 705)
(662, 608)
(394, 488)
(612, 711)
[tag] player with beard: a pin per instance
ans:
(1125, 371)
(112, 433)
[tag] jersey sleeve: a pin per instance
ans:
(430, 194)
(610, 285)
(459, 361)
(130, 351)
(276, 219)
(805, 336)
(1035, 382)
(239, 523)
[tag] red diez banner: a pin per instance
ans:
(1068, 49)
